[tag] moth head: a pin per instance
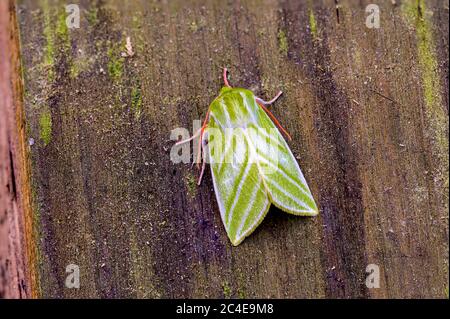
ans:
(225, 89)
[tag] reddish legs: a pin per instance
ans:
(200, 146)
(263, 104)
(201, 154)
(225, 79)
(204, 161)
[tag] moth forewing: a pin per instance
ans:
(241, 197)
(261, 143)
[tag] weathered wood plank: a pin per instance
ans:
(15, 215)
(367, 110)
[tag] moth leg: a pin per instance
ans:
(225, 78)
(189, 139)
(204, 143)
(261, 101)
(202, 131)
(199, 149)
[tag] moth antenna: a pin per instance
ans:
(273, 118)
(261, 101)
(225, 78)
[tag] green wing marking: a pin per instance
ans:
(252, 168)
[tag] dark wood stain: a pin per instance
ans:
(108, 198)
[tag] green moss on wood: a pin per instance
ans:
(312, 24)
(418, 17)
(191, 185)
(283, 43)
(226, 290)
(136, 101)
(62, 31)
(416, 14)
(92, 16)
(45, 127)
(241, 293)
(49, 49)
(56, 34)
(115, 61)
(241, 285)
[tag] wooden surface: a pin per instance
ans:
(367, 110)
(15, 273)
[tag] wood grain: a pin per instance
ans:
(367, 110)
(16, 237)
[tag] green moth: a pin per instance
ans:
(251, 163)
